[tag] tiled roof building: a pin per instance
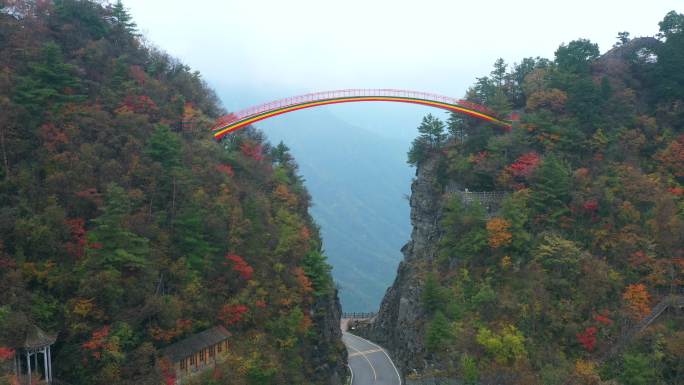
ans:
(197, 352)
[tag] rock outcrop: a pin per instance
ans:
(329, 356)
(398, 325)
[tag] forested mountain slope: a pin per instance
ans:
(589, 237)
(124, 227)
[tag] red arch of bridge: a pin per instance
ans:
(234, 121)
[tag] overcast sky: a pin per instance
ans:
(291, 46)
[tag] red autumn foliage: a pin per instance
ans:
(677, 191)
(138, 74)
(602, 319)
(581, 173)
(90, 194)
(525, 165)
(76, 246)
(481, 156)
(305, 233)
(254, 151)
(591, 205)
(225, 169)
(182, 326)
(53, 136)
(7, 263)
(240, 266)
(588, 338)
(232, 314)
(168, 371)
(98, 342)
(169, 378)
(6, 353)
(673, 156)
(140, 104)
(260, 303)
(639, 258)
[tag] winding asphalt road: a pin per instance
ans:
(369, 363)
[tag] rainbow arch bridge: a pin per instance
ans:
(236, 120)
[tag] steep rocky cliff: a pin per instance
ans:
(401, 316)
(328, 356)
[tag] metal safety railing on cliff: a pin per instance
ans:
(355, 315)
(489, 200)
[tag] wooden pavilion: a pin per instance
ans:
(197, 352)
(26, 362)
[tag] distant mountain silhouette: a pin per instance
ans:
(358, 181)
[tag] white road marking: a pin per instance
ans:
(352, 375)
(365, 352)
(383, 350)
(375, 375)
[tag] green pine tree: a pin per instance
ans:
(551, 189)
(317, 269)
(164, 147)
(48, 83)
(438, 335)
(576, 56)
(122, 18)
(431, 137)
(111, 243)
(638, 370)
(190, 237)
(434, 296)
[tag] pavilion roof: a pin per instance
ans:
(195, 343)
(37, 338)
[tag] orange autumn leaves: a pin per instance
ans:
(637, 301)
(304, 281)
(283, 194)
(100, 343)
(498, 234)
(182, 326)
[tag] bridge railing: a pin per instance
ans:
(315, 96)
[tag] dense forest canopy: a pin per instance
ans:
(124, 227)
(590, 238)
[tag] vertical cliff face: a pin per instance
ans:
(400, 320)
(329, 356)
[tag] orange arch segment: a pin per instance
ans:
(232, 122)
